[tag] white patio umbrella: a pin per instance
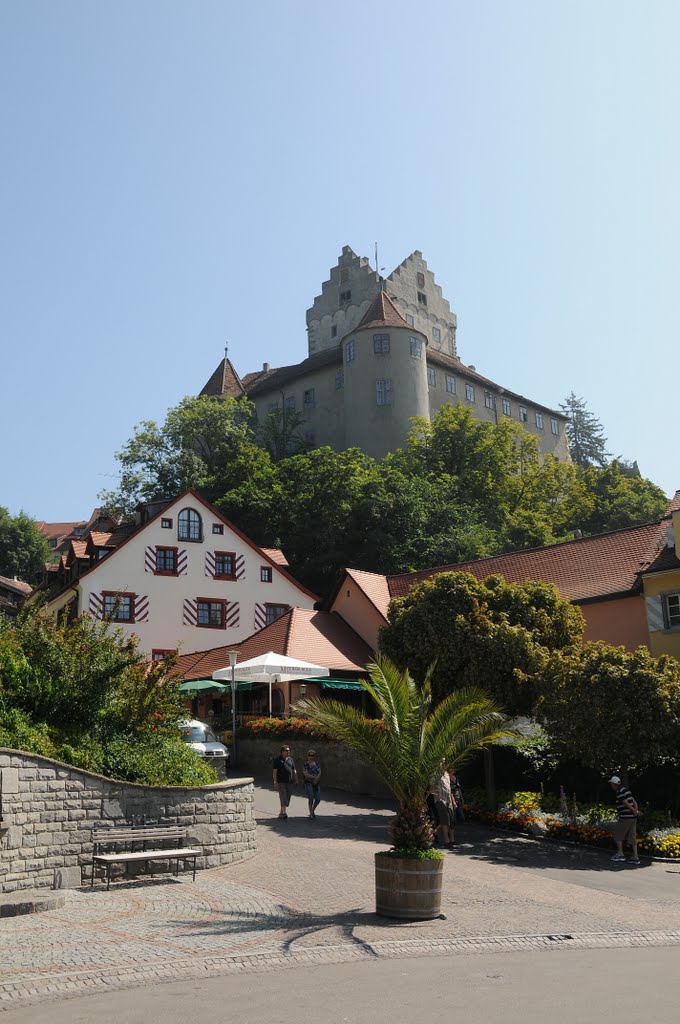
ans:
(263, 669)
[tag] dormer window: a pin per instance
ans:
(189, 525)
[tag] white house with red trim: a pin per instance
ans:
(184, 578)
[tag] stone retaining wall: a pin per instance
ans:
(341, 767)
(48, 810)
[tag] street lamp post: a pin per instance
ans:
(233, 659)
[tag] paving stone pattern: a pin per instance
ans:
(307, 898)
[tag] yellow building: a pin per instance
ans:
(661, 587)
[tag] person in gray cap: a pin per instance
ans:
(626, 827)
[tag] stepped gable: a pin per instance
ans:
(588, 569)
(381, 313)
(224, 381)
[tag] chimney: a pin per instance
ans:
(265, 367)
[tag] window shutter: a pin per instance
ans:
(654, 607)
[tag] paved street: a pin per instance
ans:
(306, 901)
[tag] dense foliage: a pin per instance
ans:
(413, 742)
(23, 548)
(481, 633)
(587, 443)
(611, 709)
(82, 693)
(459, 489)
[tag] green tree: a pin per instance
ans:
(587, 443)
(204, 443)
(611, 709)
(23, 548)
(615, 499)
(280, 433)
(411, 743)
(481, 633)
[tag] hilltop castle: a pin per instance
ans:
(381, 351)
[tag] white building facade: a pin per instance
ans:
(186, 579)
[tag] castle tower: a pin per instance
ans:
(385, 378)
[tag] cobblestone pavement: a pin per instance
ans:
(307, 897)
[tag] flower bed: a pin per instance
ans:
(658, 842)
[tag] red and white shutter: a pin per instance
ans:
(150, 558)
(233, 615)
(141, 609)
(210, 563)
(190, 612)
(96, 607)
(260, 616)
(182, 562)
(240, 567)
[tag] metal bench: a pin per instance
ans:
(134, 841)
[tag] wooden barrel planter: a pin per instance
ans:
(408, 889)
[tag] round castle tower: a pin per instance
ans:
(385, 383)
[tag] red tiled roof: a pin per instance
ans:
(374, 586)
(79, 548)
(224, 381)
(276, 555)
(321, 638)
(53, 531)
(382, 312)
(582, 570)
(101, 540)
(14, 584)
(272, 380)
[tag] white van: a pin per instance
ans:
(203, 740)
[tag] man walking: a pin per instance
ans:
(284, 775)
(626, 827)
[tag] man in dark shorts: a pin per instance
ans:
(625, 828)
(284, 776)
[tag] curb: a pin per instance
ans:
(27, 902)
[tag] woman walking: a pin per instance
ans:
(311, 773)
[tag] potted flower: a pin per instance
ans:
(409, 747)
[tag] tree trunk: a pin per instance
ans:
(489, 779)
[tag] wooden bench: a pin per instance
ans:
(134, 841)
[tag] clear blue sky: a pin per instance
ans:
(176, 176)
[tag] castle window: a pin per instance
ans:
(309, 399)
(118, 607)
(349, 351)
(210, 613)
(273, 407)
(346, 296)
(339, 379)
(436, 334)
(408, 317)
(383, 392)
(469, 392)
(166, 561)
(671, 611)
(523, 415)
(450, 384)
(422, 298)
(381, 343)
(431, 376)
(225, 564)
(488, 400)
(274, 612)
(310, 437)
(416, 348)
(334, 331)
(539, 420)
(554, 426)
(189, 525)
(507, 408)
(420, 278)
(290, 402)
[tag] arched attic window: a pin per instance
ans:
(189, 525)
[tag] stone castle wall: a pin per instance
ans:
(48, 811)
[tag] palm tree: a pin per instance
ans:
(411, 744)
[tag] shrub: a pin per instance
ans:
(156, 761)
(19, 732)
